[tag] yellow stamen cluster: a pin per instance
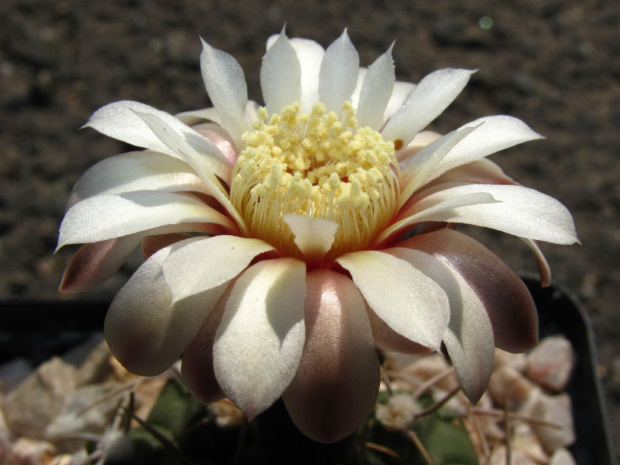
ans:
(319, 165)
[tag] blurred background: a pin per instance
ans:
(551, 63)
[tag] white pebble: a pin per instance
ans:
(516, 361)
(555, 410)
(550, 364)
(562, 457)
(525, 441)
(498, 457)
(509, 388)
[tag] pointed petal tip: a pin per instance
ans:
(204, 43)
(250, 415)
(250, 409)
(469, 72)
(226, 86)
(313, 236)
(279, 89)
(338, 74)
(572, 239)
(73, 282)
(345, 37)
(64, 287)
(70, 286)
(140, 114)
(474, 395)
(280, 35)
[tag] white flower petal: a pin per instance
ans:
(259, 342)
(420, 141)
(211, 115)
(145, 331)
(355, 98)
(401, 91)
(191, 147)
(469, 337)
(336, 385)
(418, 170)
(251, 110)
(136, 171)
(194, 155)
(427, 101)
(207, 262)
(280, 75)
(120, 120)
(477, 172)
(518, 210)
(271, 40)
(108, 216)
(199, 116)
(471, 142)
(407, 300)
(493, 133)
(435, 209)
(313, 236)
(225, 83)
(310, 55)
(216, 134)
(338, 75)
(376, 92)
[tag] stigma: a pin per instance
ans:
(320, 165)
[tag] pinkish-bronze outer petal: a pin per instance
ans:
(506, 299)
(94, 263)
(336, 385)
(197, 365)
(153, 244)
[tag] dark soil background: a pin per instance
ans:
(552, 63)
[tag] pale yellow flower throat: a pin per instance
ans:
(319, 165)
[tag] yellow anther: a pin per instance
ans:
(315, 164)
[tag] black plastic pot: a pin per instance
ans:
(38, 330)
(560, 313)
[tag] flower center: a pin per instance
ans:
(320, 165)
